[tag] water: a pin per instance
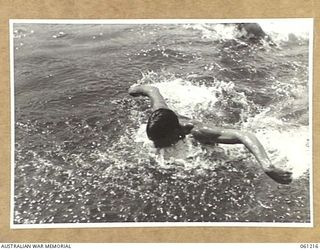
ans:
(81, 151)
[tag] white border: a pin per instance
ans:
(12, 122)
(154, 21)
(310, 82)
(159, 224)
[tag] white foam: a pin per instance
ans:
(183, 154)
(216, 32)
(280, 29)
(185, 97)
(287, 145)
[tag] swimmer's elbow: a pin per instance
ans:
(136, 90)
(247, 135)
(144, 90)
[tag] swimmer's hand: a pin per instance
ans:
(280, 176)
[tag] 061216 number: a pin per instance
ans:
(309, 245)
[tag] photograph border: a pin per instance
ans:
(308, 21)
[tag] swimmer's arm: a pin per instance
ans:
(211, 135)
(157, 100)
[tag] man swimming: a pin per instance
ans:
(165, 128)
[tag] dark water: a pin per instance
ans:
(81, 153)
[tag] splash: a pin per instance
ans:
(280, 30)
(286, 30)
(187, 154)
(288, 149)
(286, 143)
(216, 32)
(192, 98)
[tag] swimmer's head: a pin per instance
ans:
(164, 129)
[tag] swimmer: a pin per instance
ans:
(165, 128)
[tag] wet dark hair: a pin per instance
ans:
(164, 129)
